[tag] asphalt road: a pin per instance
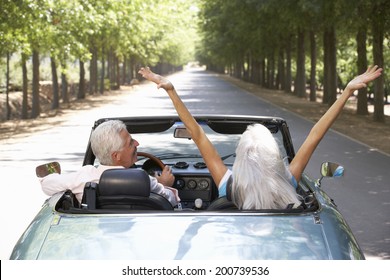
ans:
(363, 195)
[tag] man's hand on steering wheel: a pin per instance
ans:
(166, 177)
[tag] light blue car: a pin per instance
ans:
(120, 219)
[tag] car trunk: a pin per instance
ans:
(184, 236)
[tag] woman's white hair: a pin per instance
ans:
(106, 139)
(261, 178)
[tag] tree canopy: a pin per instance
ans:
(280, 44)
(318, 42)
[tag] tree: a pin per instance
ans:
(7, 89)
(300, 80)
(312, 16)
(378, 17)
(25, 87)
(362, 64)
(37, 31)
(250, 39)
(313, 66)
(56, 101)
(11, 38)
(81, 91)
(35, 109)
(330, 55)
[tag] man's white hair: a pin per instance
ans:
(106, 139)
(261, 178)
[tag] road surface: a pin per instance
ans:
(363, 195)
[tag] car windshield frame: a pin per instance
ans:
(213, 125)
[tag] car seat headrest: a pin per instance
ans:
(116, 182)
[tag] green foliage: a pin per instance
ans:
(231, 29)
(217, 32)
(149, 30)
(258, 40)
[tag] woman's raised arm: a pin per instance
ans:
(209, 153)
(318, 131)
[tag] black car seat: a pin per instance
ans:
(123, 189)
(224, 202)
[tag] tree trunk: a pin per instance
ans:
(378, 35)
(255, 69)
(64, 88)
(361, 38)
(36, 109)
(333, 67)
(7, 89)
(81, 91)
(287, 87)
(300, 80)
(111, 68)
(330, 69)
(280, 84)
(124, 71)
(313, 65)
(93, 73)
(64, 82)
(325, 82)
(25, 88)
(117, 73)
(132, 69)
(237, 70)
(102, 74)
(55, 102)
(271, 72)
(263, 81)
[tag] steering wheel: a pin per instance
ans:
(156, 161)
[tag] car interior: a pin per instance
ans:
(128, 190)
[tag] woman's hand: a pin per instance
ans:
(157, 79)
(318, 131)
(361, 81)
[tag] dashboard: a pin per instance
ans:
(194, 182)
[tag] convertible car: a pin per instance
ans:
(119, 218)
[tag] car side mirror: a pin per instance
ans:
(330, 169)
(48, 168)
